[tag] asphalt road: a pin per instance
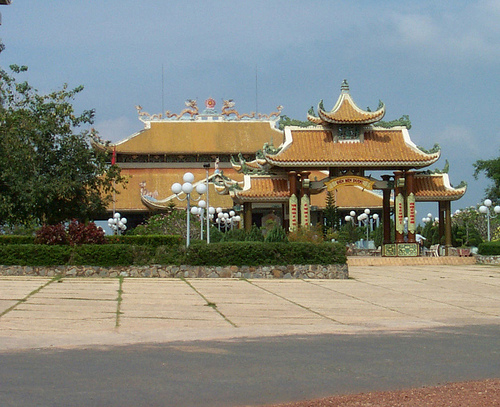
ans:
(242, 372)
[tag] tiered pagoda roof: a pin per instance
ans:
(437, 187)
(380, 149)
(264, 188)
(345, 111)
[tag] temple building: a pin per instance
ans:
(264, 167)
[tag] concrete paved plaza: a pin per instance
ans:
(44, 312)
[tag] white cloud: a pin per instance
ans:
(470, 33)
(460, 138)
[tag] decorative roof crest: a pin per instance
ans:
(194, 113)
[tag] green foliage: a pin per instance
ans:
(28, 228)
(146, 240)
(311, 234)
(217, 254)
(49, 173)
(14, 239)
(331, 214)
(491, 169)
(276, 234)
(173, 222)
(34, 255)
(111, 255)
(234, 235)
(259, 253)
(255, 234)
(489, 249)
(350, 233)
(468, 227)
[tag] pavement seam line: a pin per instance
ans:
(295, 303)
(119, 301)
(433, 300)
(362, 300)
(37, 290)
(209, 303)
(447, 288)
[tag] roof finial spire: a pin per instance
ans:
(345, 86)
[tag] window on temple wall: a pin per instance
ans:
(348, 133)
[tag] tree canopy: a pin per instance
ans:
(49, 171)
(491, 169)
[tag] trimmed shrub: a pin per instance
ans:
(34, 255)
(489, 248)
(258, 253)
(146, 240)
(199, 253)
(111, 255)
(16, 239)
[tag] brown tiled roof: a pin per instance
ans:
(200, 137)
(265, 188)
(381, 148)
(346, 112)
(436, 187)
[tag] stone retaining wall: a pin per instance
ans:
(480, 259)
(332, 271)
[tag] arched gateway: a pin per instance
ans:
(334, 151)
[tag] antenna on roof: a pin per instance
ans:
(162, 91)
(256, 90)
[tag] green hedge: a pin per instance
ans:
(146, 240)
(34, 255)
(216, 254)
(16, 239)
(138, 240)
(489, 248)
(260, 253)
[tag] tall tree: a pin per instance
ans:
(331, 213)
(491, 169)
(49, 172)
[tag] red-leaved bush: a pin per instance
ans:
(77, 233)
(52, 234)
(80, 233)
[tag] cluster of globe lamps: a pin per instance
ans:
(223, 218)
(363, 217)
(486, 210)
(117, 224)
(187, 187)
(226, 219)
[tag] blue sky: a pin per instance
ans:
(438, 62)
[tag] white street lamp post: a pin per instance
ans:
(117, 224)
(187, 187)
(207, 167)
(486, 209)
(368, 221)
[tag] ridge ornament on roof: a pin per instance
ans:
(228, 113)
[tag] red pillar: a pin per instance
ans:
(386, 211)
